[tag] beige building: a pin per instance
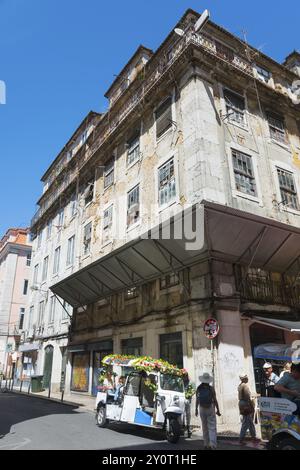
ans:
(208, 127)
(15, 261)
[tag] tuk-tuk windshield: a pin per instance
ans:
(171, 382)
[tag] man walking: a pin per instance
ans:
(206, 401)
(246, 408)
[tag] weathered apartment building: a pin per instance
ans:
(206, 125)
(15, 260)
(55, 254)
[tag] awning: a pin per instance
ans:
(243, 238)
(287, 325)
(29, 347)
(223, 233)
(170, 247)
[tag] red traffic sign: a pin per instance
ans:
(211, 328)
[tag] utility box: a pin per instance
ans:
(37, 383)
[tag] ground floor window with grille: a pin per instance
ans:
(288, 190)
(171, 348)
(133, 205)
(132, 346)
(243, 173)
(166, 183)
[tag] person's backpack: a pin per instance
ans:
(205, 396)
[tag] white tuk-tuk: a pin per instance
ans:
(151, 394)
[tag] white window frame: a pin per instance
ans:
(45, 268)
(107, 231)
(36, 274)
(133, 149)
(85, 251)
(138, 221)
(52, 308)
(161, 163)
(70, 251)
(283, 166)
(106, 173)
(285, 143)
(73, 206)
(41, 313)
(260, 75)
(49, 228)
(244, 126)
(56, 260)
(239, 194)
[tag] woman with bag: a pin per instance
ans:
(246, 408)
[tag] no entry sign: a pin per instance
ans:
(211, 328)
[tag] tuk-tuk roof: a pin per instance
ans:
(143, 363)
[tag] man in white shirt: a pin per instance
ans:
(270, 379)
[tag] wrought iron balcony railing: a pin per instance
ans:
(270, 292)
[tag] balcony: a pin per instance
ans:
(137, 92)
(269, 292)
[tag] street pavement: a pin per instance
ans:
(30, 423)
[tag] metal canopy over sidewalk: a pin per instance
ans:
(153, 255)
(287, 325)
(223, 233)
(244, 238)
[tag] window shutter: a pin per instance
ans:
(163, 117)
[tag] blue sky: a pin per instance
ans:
(58, 57)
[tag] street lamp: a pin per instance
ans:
(200, 23)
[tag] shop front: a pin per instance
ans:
(80, 371)
(98, 351)
(29, 361)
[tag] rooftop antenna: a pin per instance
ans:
(199, 25)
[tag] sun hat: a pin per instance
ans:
(206, 378)
(243, 376)
(267, 365)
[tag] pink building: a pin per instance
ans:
(15, 260)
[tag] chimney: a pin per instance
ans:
(292, 62)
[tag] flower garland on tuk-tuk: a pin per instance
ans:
(143, 364)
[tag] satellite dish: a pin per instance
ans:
(179, 31)
(202, 21)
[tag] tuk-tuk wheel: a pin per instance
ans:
(101, 417)
(173, 434)
(289, 444)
